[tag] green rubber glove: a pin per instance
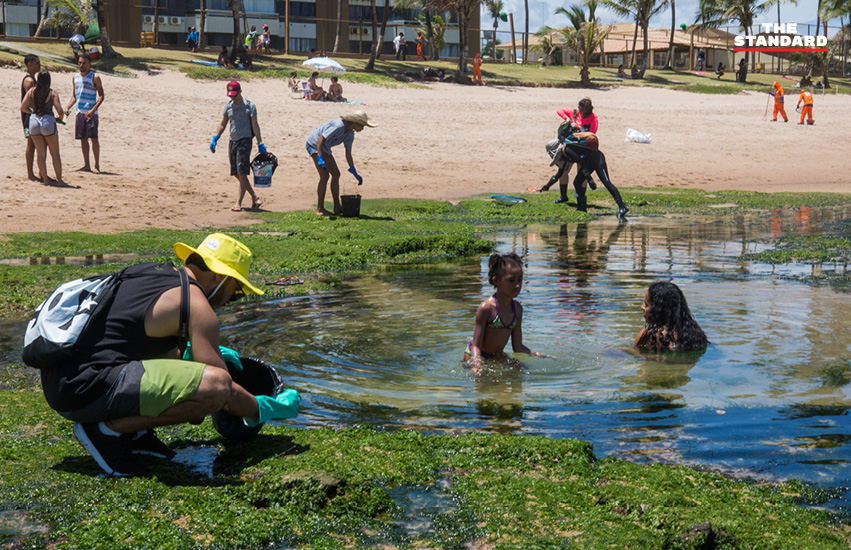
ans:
(230, 356)
(282, 406)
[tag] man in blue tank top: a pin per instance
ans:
(88, 96)
(127, 376)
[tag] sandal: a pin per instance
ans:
(258, 202)
(236, 208)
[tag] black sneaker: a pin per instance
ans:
(146, 442)
(561, 200)
(112, 453)
(622, 211)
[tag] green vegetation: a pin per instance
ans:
(330, 489)
(391, 73)
(341, 489)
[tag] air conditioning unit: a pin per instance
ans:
(162, 20)
(149, 19)
(353, 30)
(175, 20)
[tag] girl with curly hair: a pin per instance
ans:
(669, 323)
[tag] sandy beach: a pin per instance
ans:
(444, 142)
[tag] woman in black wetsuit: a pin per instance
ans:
(591, 160)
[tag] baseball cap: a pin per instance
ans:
(234, 88)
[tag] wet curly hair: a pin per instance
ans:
(498, 262)
(670, 325)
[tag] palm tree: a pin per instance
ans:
(75, 15)
(377, 38)
(42, 21)
(714, 13)
(669, 62)
(426, 19)
(108, 51)
(839, 8)
(235, 41)
(547, 44)
(203, 23)
(464, 9)
(625, 8)
(339, 24)
(583, 36)
(438, 26)
(495, 8)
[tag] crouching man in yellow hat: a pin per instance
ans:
(127, 377)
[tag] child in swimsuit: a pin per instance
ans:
(499, 317)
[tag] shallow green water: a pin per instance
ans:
(769, 398)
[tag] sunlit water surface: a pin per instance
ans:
(770, 398)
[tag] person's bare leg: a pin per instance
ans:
(335, 193)
(240, 194)
(96, 154)
(84, 145)
(30, 156)
(320, 195)
(41, 158)
(245, 187)
(53, 146)
(216, 392)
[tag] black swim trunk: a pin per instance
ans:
(25, 120)
(239, 152)
(86, 128)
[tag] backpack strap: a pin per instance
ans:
(183, 329)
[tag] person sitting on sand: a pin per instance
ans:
(669, 325)
(293, 83)
(245, 59)
(633, 73)
(806, 82)
(621, 71)
(335, 91)
(314, 90)
(499, 318)
(224, 58)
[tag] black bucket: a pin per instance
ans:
(258, 378)
(351, 205)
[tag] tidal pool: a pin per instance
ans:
(770, 398)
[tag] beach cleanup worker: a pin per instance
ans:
(127, 378)
(806, 98)
(778, 102)
(583, 124)
(319, 144)
(88, 97)
(242, 116)
(477, 69)
(421, 41)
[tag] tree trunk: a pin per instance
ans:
(634, 40)
(104, 33)
(244, 19)
(669, 63)
(387, 10)
(203, 23)
(339, 24)
(157, 22)
(461, 71)
(526, 35)
(434, 54)
(585, 76)
(644, 28)
(234, 43)
(44, 9)
(370, 65)
(826, 58)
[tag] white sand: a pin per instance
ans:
(444, 142)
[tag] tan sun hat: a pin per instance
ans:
(360, 117)
(223, 255)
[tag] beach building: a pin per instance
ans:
(296, 26)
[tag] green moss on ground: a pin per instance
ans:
(335, 489)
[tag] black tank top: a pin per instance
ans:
(23, 91)
(115, 340)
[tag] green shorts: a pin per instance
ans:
(144, 388)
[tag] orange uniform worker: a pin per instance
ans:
(421, 41)
(807, 98)
(477, 69)
(778, 102)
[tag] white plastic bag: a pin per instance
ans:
(637, 137)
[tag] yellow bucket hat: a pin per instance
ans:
(223, 255)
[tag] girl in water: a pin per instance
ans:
(500, 316)
(669, 323)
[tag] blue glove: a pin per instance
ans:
(230, 356)
(282, 406)
(320, 162)
(261, 148)
(356, 175)
(213, 143)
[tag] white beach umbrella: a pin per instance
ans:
(324, 65)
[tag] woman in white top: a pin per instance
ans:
(44, 105)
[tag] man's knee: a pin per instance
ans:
(215, 387)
